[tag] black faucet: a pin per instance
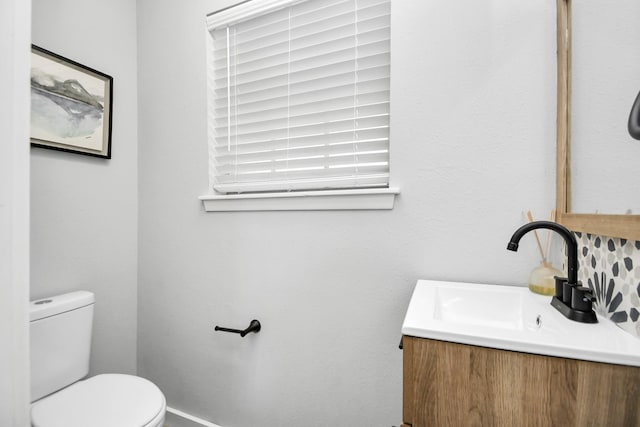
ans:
(572, 299)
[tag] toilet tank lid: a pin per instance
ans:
(46, 307)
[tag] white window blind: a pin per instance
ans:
(299, 96)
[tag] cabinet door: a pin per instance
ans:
(448, 384)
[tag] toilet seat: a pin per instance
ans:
(105, 400)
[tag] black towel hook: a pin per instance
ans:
(254, 326)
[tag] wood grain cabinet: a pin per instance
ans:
(448, 384)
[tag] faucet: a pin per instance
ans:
(569, 239)
(572, 299)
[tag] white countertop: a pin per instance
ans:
(512, 318)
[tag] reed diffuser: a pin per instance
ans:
(541, 280)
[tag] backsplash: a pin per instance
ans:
(611, 267)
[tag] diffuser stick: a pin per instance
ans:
(530, 216)
(552, 218)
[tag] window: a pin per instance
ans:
(299, 96)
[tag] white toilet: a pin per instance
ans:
(60, 349)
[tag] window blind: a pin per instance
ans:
(299, 97)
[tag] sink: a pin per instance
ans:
(475, 305)
(512, 318)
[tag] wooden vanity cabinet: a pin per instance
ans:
(449, 384)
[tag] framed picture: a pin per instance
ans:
(71, 105)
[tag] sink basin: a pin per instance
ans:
(484, 306)
(512, 318)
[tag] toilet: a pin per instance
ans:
(60, 329)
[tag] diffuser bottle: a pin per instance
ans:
(542, 280)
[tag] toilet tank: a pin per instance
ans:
(60, 329)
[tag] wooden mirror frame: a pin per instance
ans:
(621, 226)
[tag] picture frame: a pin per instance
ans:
(71, 105)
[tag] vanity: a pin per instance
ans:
(490, 355)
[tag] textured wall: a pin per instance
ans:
(472, 142)
(83, 209)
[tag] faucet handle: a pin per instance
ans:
(559, 282)
(582, 298)
(567, 292)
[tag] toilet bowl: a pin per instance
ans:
(60, 328)
(106, 400)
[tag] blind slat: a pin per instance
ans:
(307, 117)
(366, 92)
(323, 183)
(330, 138)
(374, 54)
(350, 147)
(254, 133)
(304, 164)
(340, 37)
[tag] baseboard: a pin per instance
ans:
(177, 418)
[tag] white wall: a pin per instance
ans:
(84, 209)
(14, 212)
(473, 146)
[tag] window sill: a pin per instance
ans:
(330, 200)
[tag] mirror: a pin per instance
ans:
(598, 81)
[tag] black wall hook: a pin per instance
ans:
(254, 326)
